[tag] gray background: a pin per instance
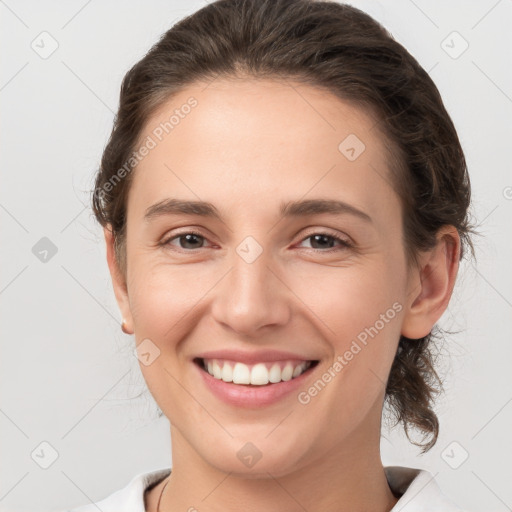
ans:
(68, 374)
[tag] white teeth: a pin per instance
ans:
(287, 372)
(258, 375)
(241, 374)
(227, 373)
(297, 371)
(275, 374)
(217, 370)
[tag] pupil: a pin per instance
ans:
(190, 239)
(323, 239)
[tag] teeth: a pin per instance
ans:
(241, 374)
(227, 373)
(258, 374)
(217, 370)
(297, 371)
(274, 375)
(287, 372)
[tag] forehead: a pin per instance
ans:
(261, 140)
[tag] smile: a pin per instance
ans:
(259, 374)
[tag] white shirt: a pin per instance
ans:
(420, 492)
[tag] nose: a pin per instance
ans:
(251, 296)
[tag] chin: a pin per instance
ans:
(261, 458)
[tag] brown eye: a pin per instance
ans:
(186, 241)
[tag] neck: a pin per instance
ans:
(349, 478)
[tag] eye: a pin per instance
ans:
(327, 241)
(187, 240)
(191, 240)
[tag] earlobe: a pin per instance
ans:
(118, 282)
(431, 285)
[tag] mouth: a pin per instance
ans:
(260, 374)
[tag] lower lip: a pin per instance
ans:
(250, 396)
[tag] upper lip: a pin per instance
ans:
(259, 356)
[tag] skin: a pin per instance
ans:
(247, 146)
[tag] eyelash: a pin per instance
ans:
(344, 243)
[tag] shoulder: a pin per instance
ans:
(129, 498)
(419, 491)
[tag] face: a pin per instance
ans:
(291, 267)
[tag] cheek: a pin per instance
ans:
(342, 302)
(358, 310)
(347, 300)
(163, 297)
(165, 301)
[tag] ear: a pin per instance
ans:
(431, 285)
(118, 281)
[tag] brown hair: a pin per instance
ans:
(343, 50)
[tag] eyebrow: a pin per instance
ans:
(302, 208)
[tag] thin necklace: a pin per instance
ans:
(160, 497)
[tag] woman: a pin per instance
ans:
(285, 204)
